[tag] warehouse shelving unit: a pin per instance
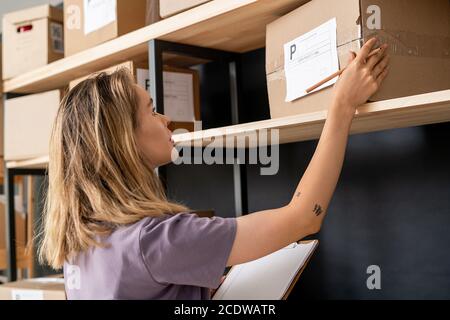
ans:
(215, 30)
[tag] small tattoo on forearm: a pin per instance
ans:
(298, 194)
(317, 210)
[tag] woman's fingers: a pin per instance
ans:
(375, 59)
(378, 69)
(365, 50)
(382, 76)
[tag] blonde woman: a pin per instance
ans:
(109, 223)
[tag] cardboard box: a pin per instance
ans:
(100, 21)
(417, 31)
(152, 13)
(173, 104)
(31, 38)
(21, 232)
(1, 70)
(168, 8)
(135, 67)
(28, 124)
(2, 129)
(34, 289)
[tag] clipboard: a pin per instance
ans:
(300, 271)
(246, 277)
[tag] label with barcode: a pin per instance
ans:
(56, 36)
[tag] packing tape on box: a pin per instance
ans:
(401, 43)
(406, 43)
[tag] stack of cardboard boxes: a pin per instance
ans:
(37, 36)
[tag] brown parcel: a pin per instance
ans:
(417, 31)
(21, 234)
(168, 8)
(127, 16)
(28, 124)
(31, 38)
(34, 289)
(152, 13)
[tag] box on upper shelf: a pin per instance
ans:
(183, 110)
(28, 124)
(49, 288)
(168, 8)
(417, 31)
(152, 13)
(90, 23)
(31, 38)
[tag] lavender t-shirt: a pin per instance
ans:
(181, 256)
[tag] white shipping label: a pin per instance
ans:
(98, 13)
(179, 96)
(309, 59)
(27, 295)
(56, 36)
(143, 79)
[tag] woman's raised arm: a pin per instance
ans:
(264, 232)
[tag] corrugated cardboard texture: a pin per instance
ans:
(25, 51)
(168, 8)
(418, 34)
(28, 124)
(408, 75)
(130, 16)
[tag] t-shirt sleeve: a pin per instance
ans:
(185, 249)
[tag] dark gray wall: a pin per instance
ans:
(391, 207)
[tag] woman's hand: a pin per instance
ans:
(360, 80)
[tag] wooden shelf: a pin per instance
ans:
(36, 163)
(375, 116)
(232, 25)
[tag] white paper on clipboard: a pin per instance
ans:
(267, 278)
(310, 58)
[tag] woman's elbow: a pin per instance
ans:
(315, 227)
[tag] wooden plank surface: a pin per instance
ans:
(36, 163)
(375, 116)
(396, 113)
(233, 25)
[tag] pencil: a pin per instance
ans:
(337, 73)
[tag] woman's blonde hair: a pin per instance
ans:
(98, 179)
